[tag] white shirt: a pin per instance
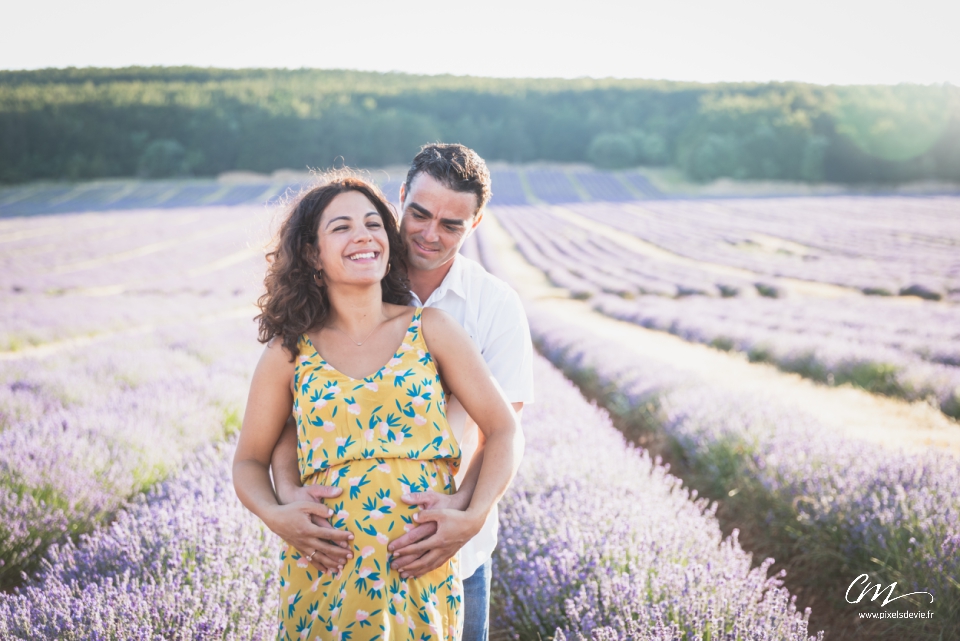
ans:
(491, 312)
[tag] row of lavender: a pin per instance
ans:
(114, 271)
(596, 539)
(115, 196)
(908, 350)
(881, 246)
(83, 430)
(842, 507)
(586, 263)
(812, 339)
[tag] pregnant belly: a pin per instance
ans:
(370, 508)
(370, 505)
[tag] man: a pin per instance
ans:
(442, 203)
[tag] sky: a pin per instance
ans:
(824, 42)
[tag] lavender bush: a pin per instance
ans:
(830, 341)
(83, 430)
(598, 540)
(185, 561)
(853, 506)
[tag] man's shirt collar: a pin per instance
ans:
(452, 282)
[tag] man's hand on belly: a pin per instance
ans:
(443, 528)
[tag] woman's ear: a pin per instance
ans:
(311, 255)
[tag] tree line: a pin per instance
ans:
(180, 121)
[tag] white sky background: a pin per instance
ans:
(820, 41)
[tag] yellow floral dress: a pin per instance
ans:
(377, 438)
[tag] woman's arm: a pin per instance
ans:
(268, 406)
(466, 374)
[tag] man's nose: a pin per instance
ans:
(431, 233)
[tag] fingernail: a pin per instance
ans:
(416, 516)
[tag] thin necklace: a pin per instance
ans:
(364, 338)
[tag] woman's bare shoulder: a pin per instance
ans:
(437, 317)
(276, 354)
(442, 331)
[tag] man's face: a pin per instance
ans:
(436, 220)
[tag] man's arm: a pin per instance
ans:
(283, 464)
(431, 500)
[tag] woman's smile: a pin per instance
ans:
(366, 256)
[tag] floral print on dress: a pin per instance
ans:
(377, 438)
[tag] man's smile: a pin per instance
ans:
(423, 248)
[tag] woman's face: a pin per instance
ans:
(354, 248)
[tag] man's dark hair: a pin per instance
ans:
(456, 167)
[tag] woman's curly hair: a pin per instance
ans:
(293, 302)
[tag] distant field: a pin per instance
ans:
(556, 185)
(512, 187)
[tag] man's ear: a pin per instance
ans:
(477, 219)
(403, 193)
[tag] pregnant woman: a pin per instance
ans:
(363, 375)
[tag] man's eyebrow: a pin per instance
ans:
(422, 210)
(446, 221)
(333, 220)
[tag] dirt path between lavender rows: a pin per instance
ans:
(851, 411)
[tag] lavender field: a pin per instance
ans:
(870, 302)
(836, 502)
(903, 346)
(127, 342)
(124, 349)
(128, 345)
